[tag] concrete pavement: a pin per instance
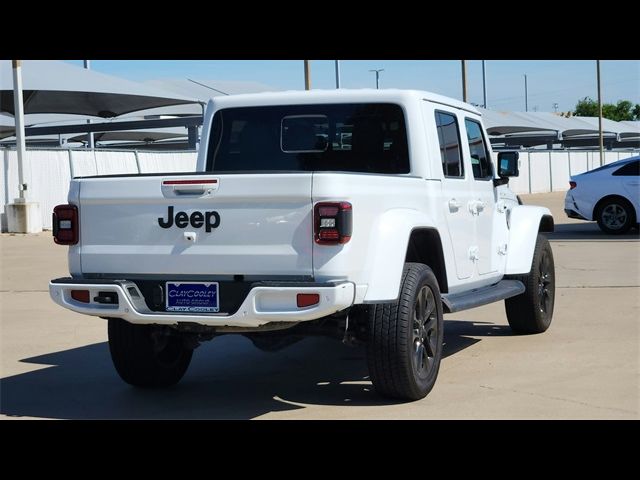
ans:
(56, 364)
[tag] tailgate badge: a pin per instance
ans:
(209, 220)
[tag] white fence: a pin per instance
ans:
(549, 171)
(47, 172)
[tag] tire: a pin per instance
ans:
(404, 347)
(137, 360)
(532, 311)
(615, 216)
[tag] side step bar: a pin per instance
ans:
(482, 296)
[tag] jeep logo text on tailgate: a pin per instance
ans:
(197, 219)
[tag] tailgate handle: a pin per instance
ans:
(191, 187)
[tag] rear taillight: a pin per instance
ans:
(65, 224)
(333, 223)
(572, 185)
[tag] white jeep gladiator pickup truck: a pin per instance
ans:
(362, 214)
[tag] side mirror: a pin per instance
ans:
(508, 164)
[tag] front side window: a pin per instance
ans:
(449, 139)
(480, 159)
(360, 137)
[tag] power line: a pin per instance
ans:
(550, 92)
(207, 86)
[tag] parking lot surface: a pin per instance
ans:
(56, 363)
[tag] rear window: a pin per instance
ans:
(362, 137)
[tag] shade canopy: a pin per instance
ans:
(51, 86)
(501, 123)
(7, 127)
(146, 136)
(539, 128)
(201, 89)
(624, 130)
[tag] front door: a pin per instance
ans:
(483, 201)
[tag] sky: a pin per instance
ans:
(549, 82)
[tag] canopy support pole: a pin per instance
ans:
(21, 147)
(22, 216)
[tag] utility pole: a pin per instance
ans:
(526, 94)
(87, 65)
(377, 76)
(337, 73)
(307, 75)
(464, 80)
(600, 137)
(484, 85)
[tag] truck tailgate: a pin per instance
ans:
(234, 224)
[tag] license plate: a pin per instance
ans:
(192, 297)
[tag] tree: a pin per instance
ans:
(586, 108)
(623, 110)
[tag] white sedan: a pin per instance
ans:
(609, 195)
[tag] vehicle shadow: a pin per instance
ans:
(228, 379)
(588, 231)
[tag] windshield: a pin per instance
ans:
(361, 137)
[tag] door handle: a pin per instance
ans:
(454, 205)
(476, 206)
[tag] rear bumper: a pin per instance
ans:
(573, 214)
(571, 207)
(262, 305)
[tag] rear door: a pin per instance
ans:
(629, 178)
(248, 224)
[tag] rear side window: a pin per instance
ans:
(449, 138)
(631, 169)
(599, 169)
(362, 137)
(480, 160)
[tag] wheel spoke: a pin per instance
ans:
(420, 354)
(428, 362)
(424, 330)
(421, 306)
(545, 300)
(432, 344)
(430, 304)
(430, 324)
